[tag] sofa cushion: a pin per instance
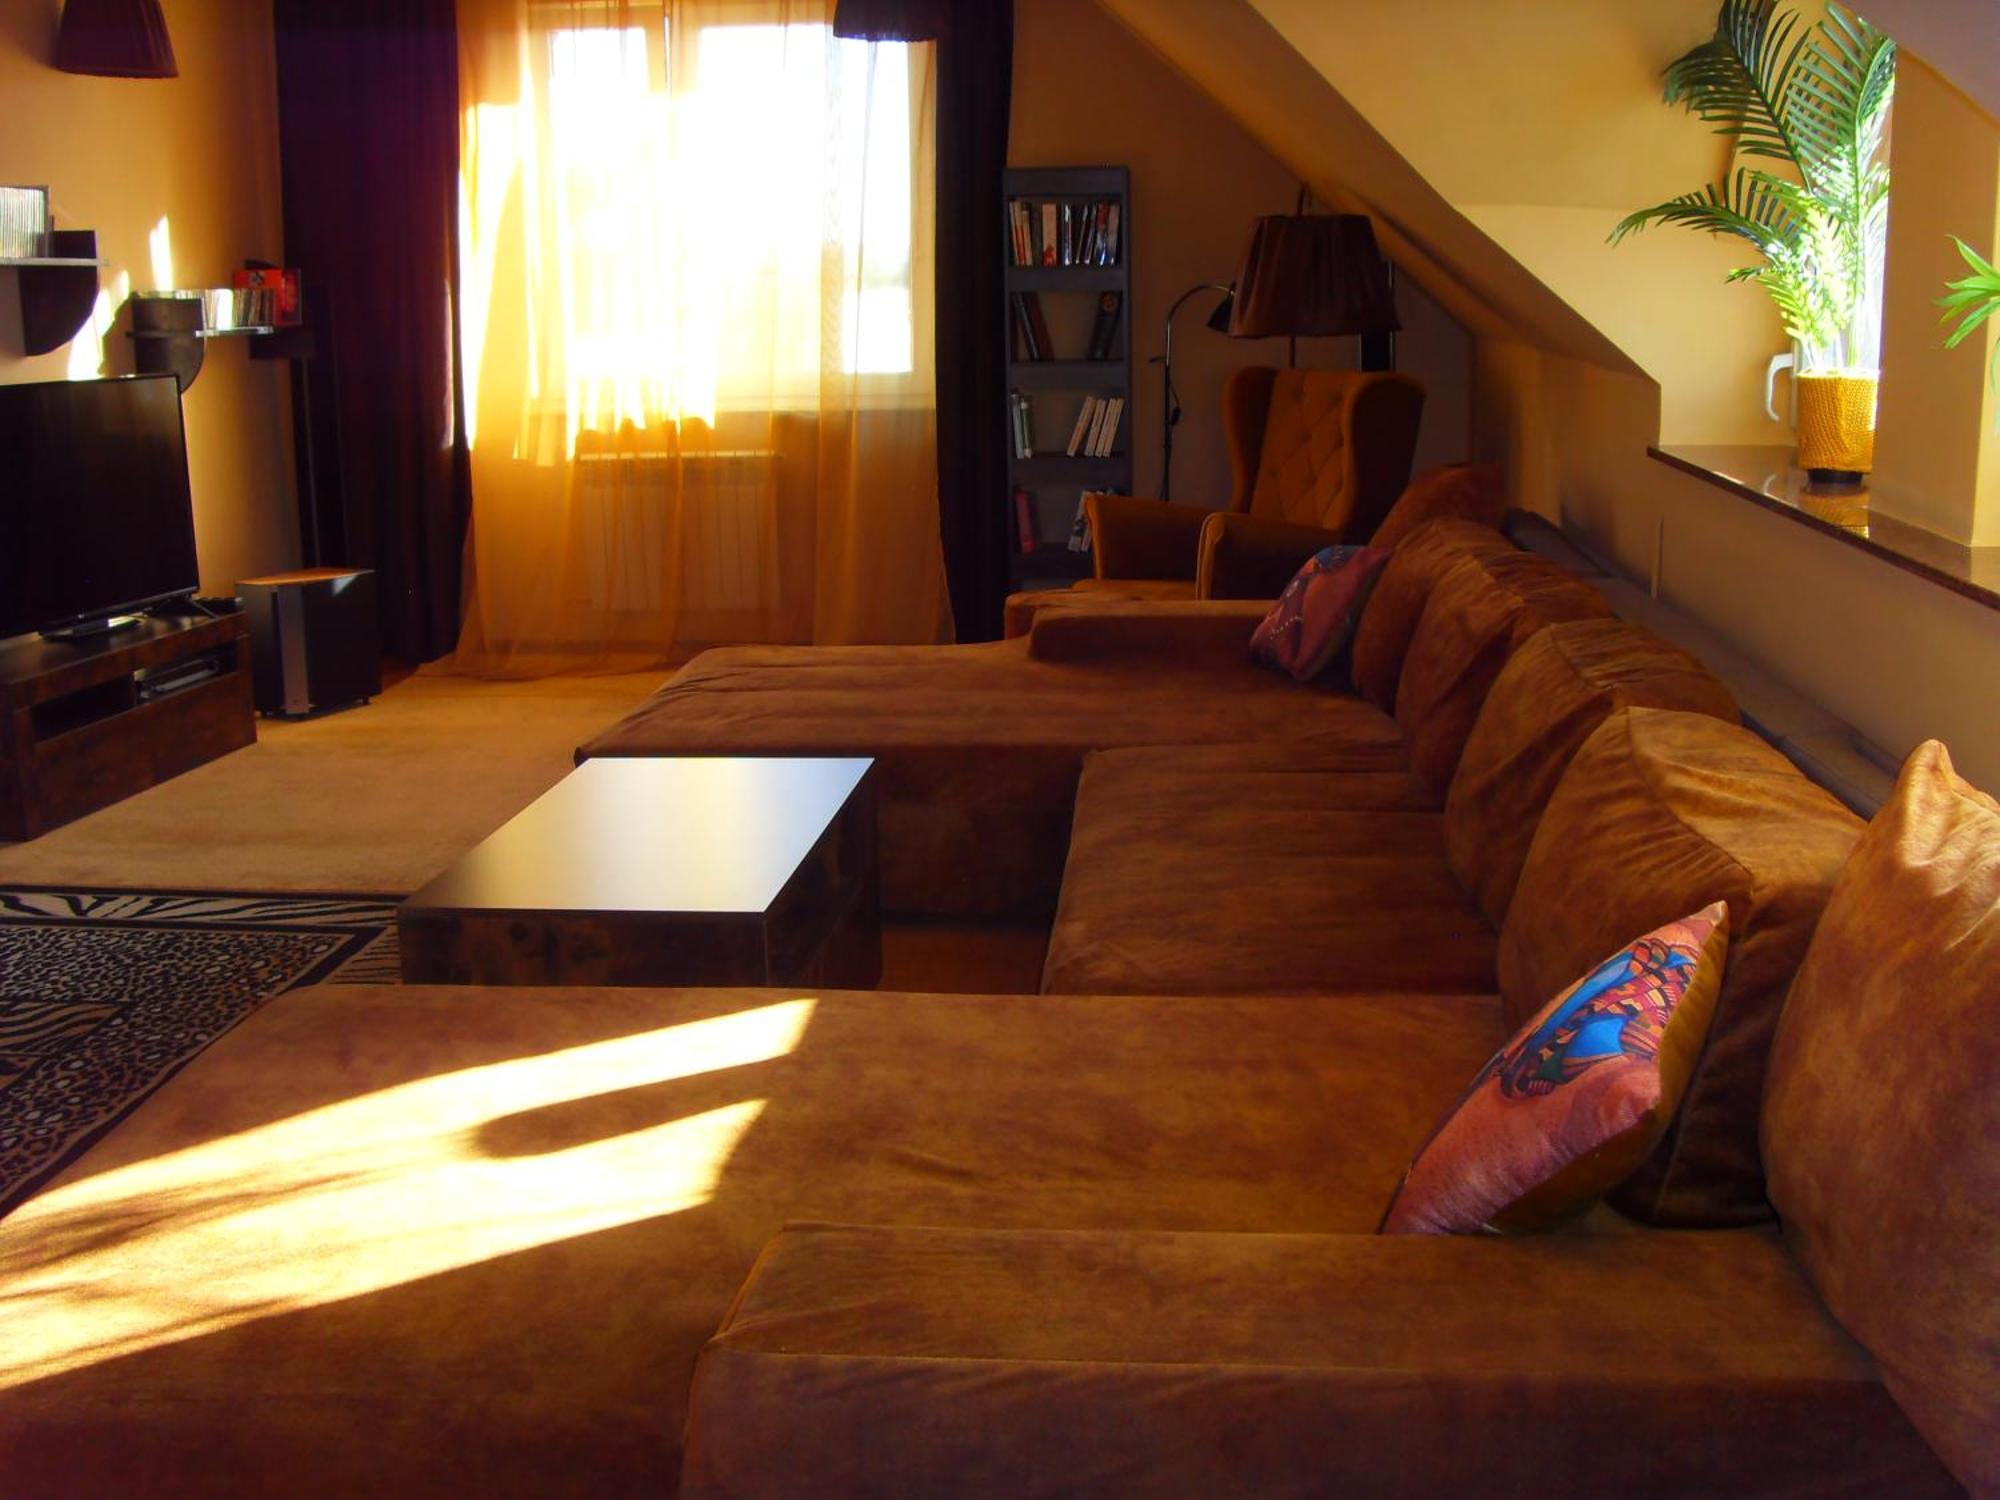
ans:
(1258, 870)
(1467, 492)
(431, 1241)
(895, 1361)
(1556, 689)
(977, 748)
(1382, 636)
(1578, 1097)
(1658, 814)
(1313, 619)
(1882, 1116)
(1476, 617)
(1025, 606)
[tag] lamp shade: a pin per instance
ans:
(1308, 274)
(115, 39)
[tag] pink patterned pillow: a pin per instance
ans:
(1314, 617)
(1575, 1102)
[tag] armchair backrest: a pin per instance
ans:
(1327, 448)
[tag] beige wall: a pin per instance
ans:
(1088, 92)
(1544, 126)
(1899, 658)
(199, 153)
(1937, 449)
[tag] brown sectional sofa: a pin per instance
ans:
(514, 1241)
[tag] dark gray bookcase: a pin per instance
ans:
(1056, 387)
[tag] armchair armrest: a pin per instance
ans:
(1248, 557)
(908, 1361)
(1135, 538)
(1179, 633)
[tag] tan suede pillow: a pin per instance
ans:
(1553, 692)
(1467, 492)
(1382, 637)
(1658, 814)
(1473, 621)
(1882, 1120)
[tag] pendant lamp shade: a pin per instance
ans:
(115, 39)
(1312, 274)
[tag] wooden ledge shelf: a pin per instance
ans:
(1767, 476)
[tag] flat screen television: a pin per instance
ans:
(95, 515)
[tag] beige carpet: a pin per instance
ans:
(376, 798)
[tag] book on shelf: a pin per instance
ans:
(1095, 437)
(1064, 232)
(1104, 331)
(1032, 326)
(266, 296)
(1108, 427)
(1023, 423)
(1085, 415)
(1024, 520)
(1079, 529)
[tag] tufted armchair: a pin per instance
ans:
(1317, 456)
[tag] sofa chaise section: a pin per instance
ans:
(978, 748)
(421, 1241)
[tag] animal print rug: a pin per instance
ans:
(104, 995)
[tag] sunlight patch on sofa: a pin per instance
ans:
(363, 1195)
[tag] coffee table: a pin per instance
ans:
(668, 871)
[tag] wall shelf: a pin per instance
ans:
(169, 335)
(57, 291)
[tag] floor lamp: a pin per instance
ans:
(1304, 276)
(1170, 400)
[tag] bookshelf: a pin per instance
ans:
(1068, 303)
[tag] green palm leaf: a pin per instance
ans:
(1745, 205)
(1972, 300)
(1739, 79)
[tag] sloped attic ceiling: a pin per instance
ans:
(1292, 108)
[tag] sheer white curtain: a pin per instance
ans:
(695, 282)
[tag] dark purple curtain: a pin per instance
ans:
(975, 75)
(368, 139)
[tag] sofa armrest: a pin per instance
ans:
(907, 1361)
(1192, 632)
(1248, 557)
(1135, 538)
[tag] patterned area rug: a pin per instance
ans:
(104, 995)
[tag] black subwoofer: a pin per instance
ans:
(313, 639)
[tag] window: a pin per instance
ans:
(703, 192)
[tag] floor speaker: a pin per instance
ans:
(313, 639)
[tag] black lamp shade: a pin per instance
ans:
(115, 39)
(1309, 274)
(891, 20)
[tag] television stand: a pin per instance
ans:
(85, 723)
(90, 630)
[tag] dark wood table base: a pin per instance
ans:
(488, 920)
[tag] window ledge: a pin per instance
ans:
(1768, 477)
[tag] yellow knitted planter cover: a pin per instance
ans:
(1837, 422)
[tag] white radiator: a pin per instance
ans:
(717, 510)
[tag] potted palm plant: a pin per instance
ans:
(1972, 300)
(1805, 109)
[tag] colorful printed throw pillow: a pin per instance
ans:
(1574, 1103)
(1314, 617)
